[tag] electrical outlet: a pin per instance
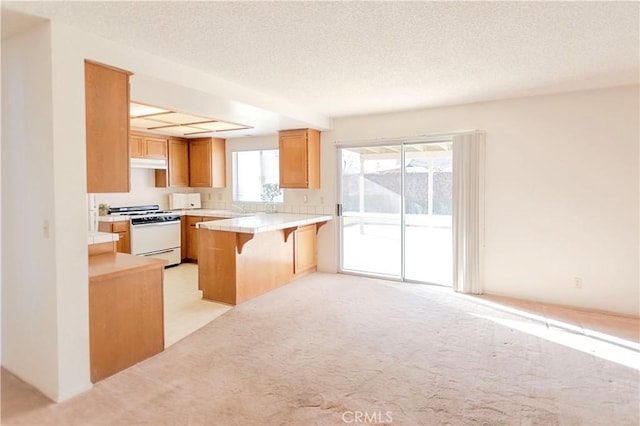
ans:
(577, 282)
(321, 200)
(209, 196)
(305, 199)
(219, 196)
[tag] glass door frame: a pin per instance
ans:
(377, 143)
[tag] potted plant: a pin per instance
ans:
(269, 192)
(103, 209)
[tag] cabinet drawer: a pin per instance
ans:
(120, 226)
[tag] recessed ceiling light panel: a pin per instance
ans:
(176, 123)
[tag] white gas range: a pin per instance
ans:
(154, 233)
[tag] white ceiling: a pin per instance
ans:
(353, 58)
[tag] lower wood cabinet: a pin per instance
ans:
(192, 234)
(126, 311)
(123, 245)
(183, 237)
(305, 258)
(236, 266)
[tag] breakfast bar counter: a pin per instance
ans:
(243, 257)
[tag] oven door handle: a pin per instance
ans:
(151, 253)
(143, 225)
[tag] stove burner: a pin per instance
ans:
(145, 214)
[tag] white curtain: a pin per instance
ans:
(468, 208)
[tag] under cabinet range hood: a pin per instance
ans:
(148, 163)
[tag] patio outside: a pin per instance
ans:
(375, 184)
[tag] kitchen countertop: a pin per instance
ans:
(110, 265)
(263, 222)
(101, 237)
(194, 212)
(114, 218)
(213, 213)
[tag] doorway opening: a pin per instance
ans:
(395, 207)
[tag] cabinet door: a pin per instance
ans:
(207, 161)
(293, 159)
(122, 229)
(107, 128)
(192, 237)
(178, 163)
(305, 254)
(123, 245)
(155, 148)
(218, 163)
(192, 234)
(136, 149)
(183, 237)
(177, 172)
(200, 163)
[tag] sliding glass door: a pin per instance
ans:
(428, 237)
(396, 211)
(371, 206)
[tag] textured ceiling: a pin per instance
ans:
(351, 58)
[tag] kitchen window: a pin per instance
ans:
(251, 171)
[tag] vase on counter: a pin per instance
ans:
(270, 191)
(270, 207)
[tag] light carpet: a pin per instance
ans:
(333, 349)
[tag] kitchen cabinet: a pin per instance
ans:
(148, 146)
(183, 237)
(305, 257)
(237, 266)
(136, 143)
(126, 311)
(299, 158)
(192, 234)
(123, 245)
(177, 173)
(207, 161)
(107, 128)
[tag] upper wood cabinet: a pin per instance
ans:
(107, 128)
(177, 173)
(146, 146)
(207, 163)
(299, 158)
(136, 149)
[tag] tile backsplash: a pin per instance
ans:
(280, 207)
(143, 191)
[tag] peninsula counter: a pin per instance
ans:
(243, 257)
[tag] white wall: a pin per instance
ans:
(29, 294)
(561, 190)
(70, 204)
(143, 191)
